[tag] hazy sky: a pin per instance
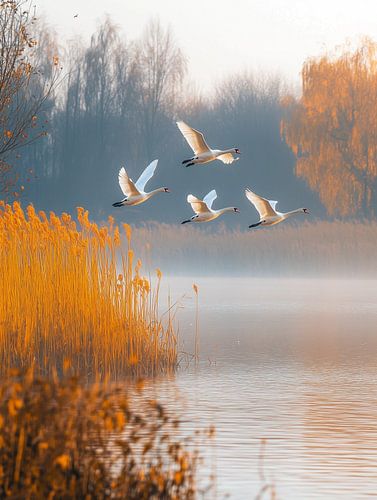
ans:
(224, 36)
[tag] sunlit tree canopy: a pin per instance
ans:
(332, 129)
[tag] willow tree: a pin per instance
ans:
(332, 129)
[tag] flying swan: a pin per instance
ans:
(203, 153)
(134, 192)
(267, 213)
(203, 210)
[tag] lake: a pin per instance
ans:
(292, 362)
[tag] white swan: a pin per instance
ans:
(203, 153)
(134, 192)
(266, 208)
(203, 210)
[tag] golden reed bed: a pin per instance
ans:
(70, 295)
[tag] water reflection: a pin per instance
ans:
(293, 361)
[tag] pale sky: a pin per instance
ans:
(225, 36)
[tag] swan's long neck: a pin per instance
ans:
(292, 212)
(224, 151)
(223, 210)
(158, 190)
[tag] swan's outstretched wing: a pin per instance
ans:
(210, 198)
(273, 204)
(194, 138)
(126, 184)
(146, 175)
(266, 208)
(197, 205)
(227, 158)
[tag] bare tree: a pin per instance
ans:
(23, 87)
(99, 82)
(162, 67)
(127, 101)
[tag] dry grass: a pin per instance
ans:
(71, 295)
(59, 439)
(318, 248)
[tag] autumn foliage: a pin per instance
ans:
(71, 296)
(60, 439)
(332, 129)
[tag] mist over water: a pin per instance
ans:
(304, 248)
(291, 361)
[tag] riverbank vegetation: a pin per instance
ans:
(71, 295)
(62, 439)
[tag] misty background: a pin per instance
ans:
(116, 105)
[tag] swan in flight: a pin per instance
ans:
(134, 192)
(203, 210)
(266, 208)
(203, 153)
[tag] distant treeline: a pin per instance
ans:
(310, 249)
(117, 105)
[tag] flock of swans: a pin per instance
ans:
(134, 191)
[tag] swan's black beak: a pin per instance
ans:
(237, 151)
(166, 190)
(236, 210)
(306, 211)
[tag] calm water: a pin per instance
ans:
(291, 361)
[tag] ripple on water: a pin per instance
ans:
(290, 361)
